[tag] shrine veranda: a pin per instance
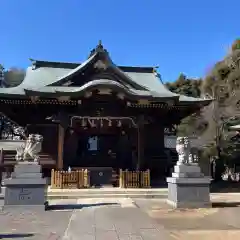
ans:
(97, 114)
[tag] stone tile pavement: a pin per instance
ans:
(146, 219)
(84, 219)
(37, 225)
(220, 222)
(118, 221)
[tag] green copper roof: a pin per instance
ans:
(46, 78)
(78, 91)
(39, 80)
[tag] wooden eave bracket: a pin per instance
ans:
(34, 99)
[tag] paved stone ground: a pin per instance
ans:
(220, 222)
(33, 224)
(120, 219)
(84, 219)
(115, 222)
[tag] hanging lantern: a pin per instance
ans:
(110, 123)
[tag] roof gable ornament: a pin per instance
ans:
(155, 70)
(98, 49)
(2, 76)
(99, 46)
(100, 65)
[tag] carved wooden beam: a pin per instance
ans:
(121, 96)
(143, 101)
(34, 99)
(63, 98)
(61, 118)
(88, 94)
(104, 91)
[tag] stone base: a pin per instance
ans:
(187, 171)
(24, 208)
(189, 192)
(189, 204)
(26, 188)
(20, 194)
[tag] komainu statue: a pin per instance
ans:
(31, 149)
(183, 148)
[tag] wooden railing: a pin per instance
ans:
(134, 179)
(73, 179)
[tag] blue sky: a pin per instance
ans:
(178, 36)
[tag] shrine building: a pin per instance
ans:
(97, 114)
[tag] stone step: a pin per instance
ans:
(102, 193)
(108, 195)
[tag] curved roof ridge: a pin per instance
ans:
(83, 88)
(184, 98)
(73, 65)
(75, 70)
(128, 78)
(92, 58)
(152, 83)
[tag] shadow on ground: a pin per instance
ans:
(16, 235)
(225, 187)
(225, 204)
(158, 184)
(75, 206)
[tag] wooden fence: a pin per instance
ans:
(134, 179)
(73, 179)
(81, 179)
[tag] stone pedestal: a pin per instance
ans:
(26, 187)
(188, 188)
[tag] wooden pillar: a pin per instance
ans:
(61, 133)
(140, 143)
